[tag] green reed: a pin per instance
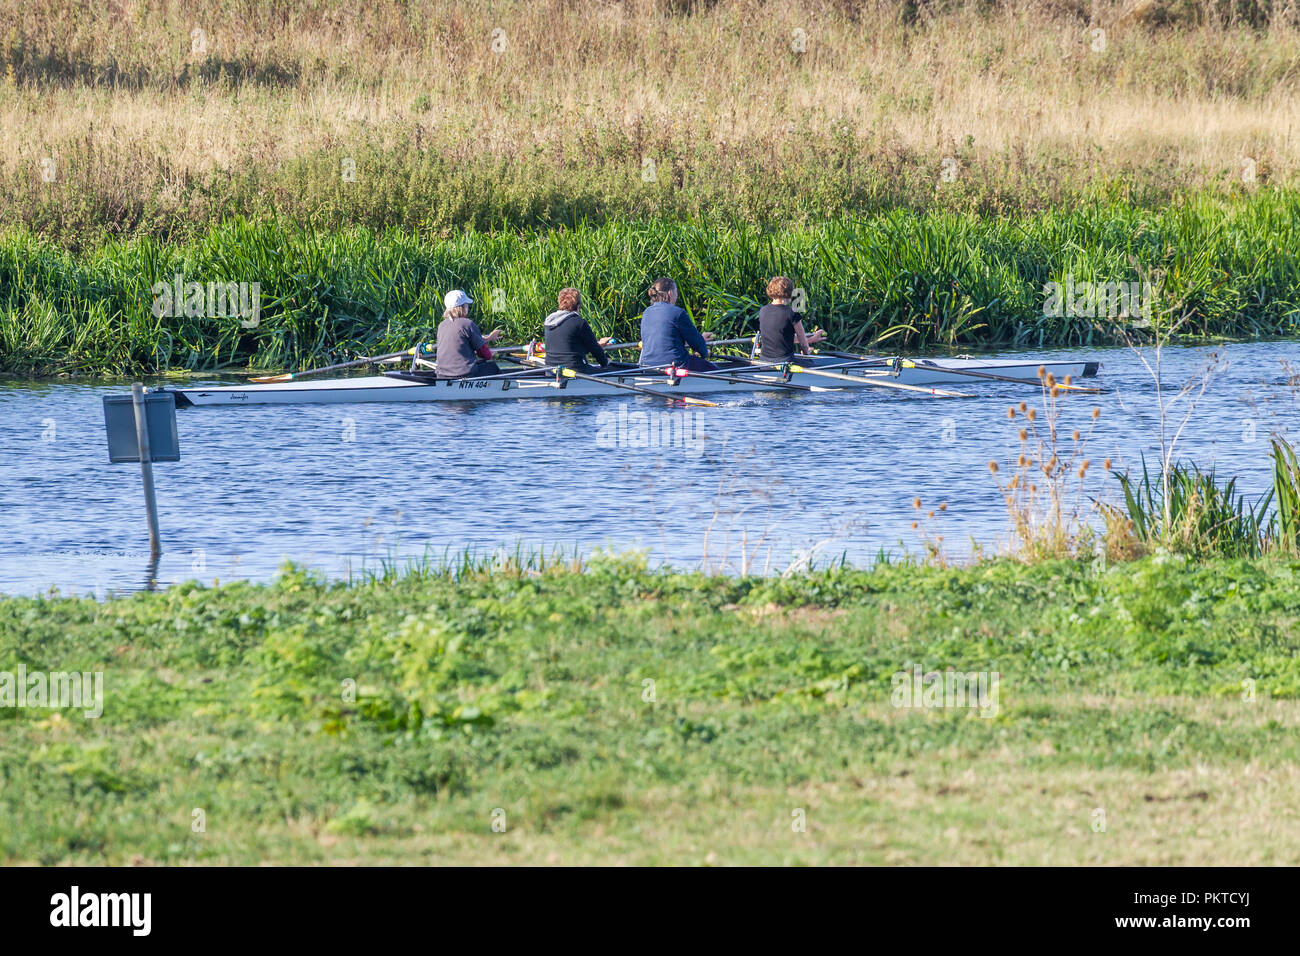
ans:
(1286, 492)
(1189, 511)
(1226, 268)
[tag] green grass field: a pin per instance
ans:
(1146, 714)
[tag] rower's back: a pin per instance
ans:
(776, 332)
(569, 340)
(665, 335)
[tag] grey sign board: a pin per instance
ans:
(119, 421)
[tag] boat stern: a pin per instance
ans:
(182, 400)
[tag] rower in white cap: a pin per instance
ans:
(463, 351)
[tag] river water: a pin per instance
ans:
(762, 482)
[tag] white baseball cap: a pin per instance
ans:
(454, 298)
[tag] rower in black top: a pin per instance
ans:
(780, 327)
(569, 339)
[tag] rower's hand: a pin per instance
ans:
(605, 341)
(492, 336)
(708, 336)
(817, 336)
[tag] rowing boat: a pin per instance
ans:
(404, 387)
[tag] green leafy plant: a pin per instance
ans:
(1286, 495)
(939, 279)
(1197, 515)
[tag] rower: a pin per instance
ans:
(463, 351)
(780, 327)
(569, 339)
(668, 335)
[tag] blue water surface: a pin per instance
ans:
(762, 482)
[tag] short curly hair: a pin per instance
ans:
(780, 288)
(569, 300)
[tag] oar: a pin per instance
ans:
(864, 380)
(716, 342)
(909, 363)
(1041, 382)
(535, 371)
(621, 370)
(866, 360)
(774, 382)
(570, 373)
(603, 378)
(877, 382)
(416, 350)
(368, 360)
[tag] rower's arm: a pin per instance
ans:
(592, 345)
(801, 338)
(479, 343)
(691, 335)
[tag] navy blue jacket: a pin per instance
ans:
(666, 334)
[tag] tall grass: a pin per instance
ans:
(1044, 492)
(1196, 515)
(898, 280)
(481, 113)
(469, 564)
(1286, 494)
(1192, 512)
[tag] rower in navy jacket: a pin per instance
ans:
(569, 339)
(668, 335)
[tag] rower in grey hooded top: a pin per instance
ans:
(569, 340)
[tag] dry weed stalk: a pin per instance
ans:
(1045, 496)
(926, 529)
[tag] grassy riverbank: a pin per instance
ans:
(620, 715)
(1229, 268)
(921, 169)
(486, 114)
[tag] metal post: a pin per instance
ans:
(146, 466)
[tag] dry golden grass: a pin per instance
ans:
(127, 98)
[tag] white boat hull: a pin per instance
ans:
(384, 388)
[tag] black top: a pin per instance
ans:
(569, 340)
(776, 332)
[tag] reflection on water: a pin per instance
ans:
(760, 483)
